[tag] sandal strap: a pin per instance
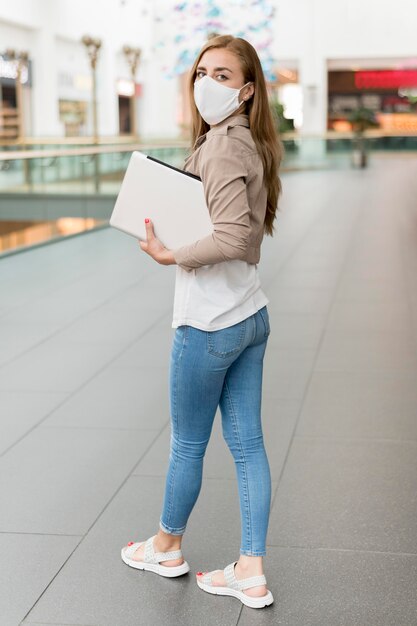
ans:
(207, 578)
(130, 550)
(254, 581)
(150, 556)
(245, 583)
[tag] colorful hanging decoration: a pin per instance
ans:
(183, 27)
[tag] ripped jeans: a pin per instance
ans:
(210, 369)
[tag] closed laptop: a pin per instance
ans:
(171, 198)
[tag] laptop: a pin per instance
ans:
(173, 199)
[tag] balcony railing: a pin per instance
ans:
(62, 189)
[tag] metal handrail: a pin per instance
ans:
(123, 146)
(41, 154)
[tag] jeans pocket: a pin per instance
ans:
(226, 341)
(265, 318)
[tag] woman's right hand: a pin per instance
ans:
(155, 248)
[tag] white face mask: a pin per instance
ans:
(215, 101)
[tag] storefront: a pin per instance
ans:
(128, 93)
(74, 101)
(15, 104)
(390, 93)
(287, 90)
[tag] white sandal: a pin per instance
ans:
(235, 587)
(152, 559)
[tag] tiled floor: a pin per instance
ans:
(84, 430)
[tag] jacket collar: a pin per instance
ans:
(233, 120)
(221, 128)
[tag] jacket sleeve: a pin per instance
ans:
(223, 171)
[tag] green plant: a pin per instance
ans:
(361, 119)
(283, 124)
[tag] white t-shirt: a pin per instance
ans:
(216, 296)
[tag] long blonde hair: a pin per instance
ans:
(261, 121)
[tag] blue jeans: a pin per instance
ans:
(210, 369)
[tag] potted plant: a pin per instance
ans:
(283, 124)
(361, 119)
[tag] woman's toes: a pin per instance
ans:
(218, 579)
(138, 554)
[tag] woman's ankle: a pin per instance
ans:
(168, 542)
(250, 564)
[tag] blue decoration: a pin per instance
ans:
(190, 23)
(213, 12)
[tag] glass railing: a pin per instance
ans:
(82, 171)
(72, 189)
(334, 150)
(16, 236)
(64, 192)
(92, 170)
(50, 143)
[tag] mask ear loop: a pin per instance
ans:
(245, 85)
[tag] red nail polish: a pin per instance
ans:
(146, 220)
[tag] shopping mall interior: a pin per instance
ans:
(86, 316)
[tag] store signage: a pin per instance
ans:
(8, 69)
(385, 79)
(125, 87)
(79, 82)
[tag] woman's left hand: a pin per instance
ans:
(155, 248)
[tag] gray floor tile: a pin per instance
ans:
(109, 324)
(337, 588)
(313, 257)
(152, 350)
(58, 480)
(306, 278)
(279, 423)
(296, 330)
(26, 623)
(105, 591)
(57, 297)
(357, 287)
(360, 404)
(57, 365)
(354, 494)
(155, 461)
(287, 371)
(349, 316)
(118, 398)
(152, 291)
(367, 351)
(87, 329)
(17, 338)
(56, 309)
(28, 563)
(22, 411)
(300, 300)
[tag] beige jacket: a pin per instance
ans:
(231, 169)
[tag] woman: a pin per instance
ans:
(220, 316)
